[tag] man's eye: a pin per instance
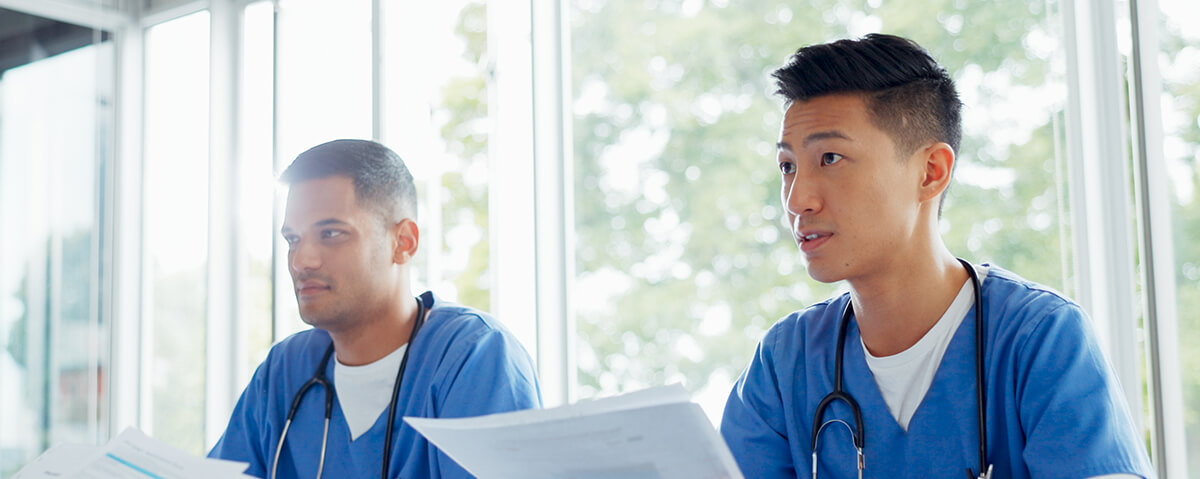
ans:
(830, 158)
(291, 240)
(787, 167)
(328, 234)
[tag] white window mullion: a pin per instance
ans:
(1156, 247)
(225, 340)
(1100, 180)
(511, 208)
(125, 309)
(554, 205)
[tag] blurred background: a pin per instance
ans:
(600, 174)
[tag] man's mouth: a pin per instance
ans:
(804, 238)
(809, 242)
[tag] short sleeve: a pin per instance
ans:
(492, 374)
(1075, 419)
(753, 422)
(243, 439)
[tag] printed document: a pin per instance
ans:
(655, 433)
(130, 455)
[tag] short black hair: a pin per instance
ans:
(907, 93)
(381, 180)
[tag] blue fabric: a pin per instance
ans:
(1054, 408)
(463, 363)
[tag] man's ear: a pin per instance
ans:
(938, 164)
(405, 238)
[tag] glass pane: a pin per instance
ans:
(176, 228)
(324, 93)
(257, 176)
(438, 122)
(1179, 64)
(55, 99)
(682, 260)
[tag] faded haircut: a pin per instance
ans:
(381, 180)
(907, 94)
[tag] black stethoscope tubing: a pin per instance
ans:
(839, 394)
(319, 378)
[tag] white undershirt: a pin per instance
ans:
(365, 391)
(904, 378)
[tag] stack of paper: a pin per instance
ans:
(131, 455)
(651, 434)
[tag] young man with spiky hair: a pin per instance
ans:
(375, 353)
(930, 365)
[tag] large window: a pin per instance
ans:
(323, 88)
(175, 265)
(55, 143)
(677, 260)
(435, 89)
(682, 260)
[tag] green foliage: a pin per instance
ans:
(680, 254)
(676, 189)
(464, 100)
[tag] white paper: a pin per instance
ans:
(130, 455)
(57, 461)
(650, 434)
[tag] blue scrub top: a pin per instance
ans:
(1054, 408)
(462, 363)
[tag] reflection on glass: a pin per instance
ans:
(1179, 64)
(438, 122)
(324, 93)
(176, 228)
(682, 262)
(55, 93)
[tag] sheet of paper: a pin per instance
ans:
(652, 434)
(57, 461)
(130, 455)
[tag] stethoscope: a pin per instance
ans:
(985, 470)
(320, 379)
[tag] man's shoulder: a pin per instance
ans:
(1013, 294)
(456, 329)
(302, 343)
(815, 319)
(455, 319)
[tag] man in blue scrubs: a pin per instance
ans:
(866, 152)
(351, 234)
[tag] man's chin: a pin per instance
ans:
(316, 317)
(823, 274)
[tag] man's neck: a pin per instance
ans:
(377, 336)
(896, 307)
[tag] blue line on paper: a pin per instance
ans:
(135, 467)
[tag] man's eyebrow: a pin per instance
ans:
(325, 222)
(330, 221)
(818, 136)
(825, 135)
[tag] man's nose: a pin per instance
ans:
(304, 257)
(800, 197)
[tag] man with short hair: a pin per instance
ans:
(375, 353)
(883, 381)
